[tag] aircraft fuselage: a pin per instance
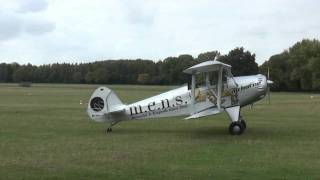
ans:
(177, 101)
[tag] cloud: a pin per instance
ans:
(139, 13)
(26, 6)
(38, 27)
(47, 31)
(14, 23)
(11, 26)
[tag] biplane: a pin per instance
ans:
(213, 90)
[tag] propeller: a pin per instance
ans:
(269, 82)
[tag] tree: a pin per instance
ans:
(297, 68)
(100, 76)
(143, 78)
(3, 72)
(77, 77)
(314, 66)
(210, 55)
(242, 62)
(89, 78)
(172, 67)
(278, 68)
(302, 56)
(24, 73)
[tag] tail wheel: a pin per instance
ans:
(236, 128)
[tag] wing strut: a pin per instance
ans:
(206, 67)
(193, 87)
(207, 83)
(219, 88)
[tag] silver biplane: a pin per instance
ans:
(213, 90)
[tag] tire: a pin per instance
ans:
(243, 123)
(236, 128)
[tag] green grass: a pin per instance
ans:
(45, 134)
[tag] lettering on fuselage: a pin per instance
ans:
(242, 88)
(155, 108)
(135, 110)
(165, 105)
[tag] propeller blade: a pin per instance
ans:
(269, 83)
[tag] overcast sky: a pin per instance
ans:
(48, 31)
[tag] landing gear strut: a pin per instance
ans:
(237, 127)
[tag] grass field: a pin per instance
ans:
(45, 134)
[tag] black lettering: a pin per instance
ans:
(179, 100)
(163, 105)
(135, 110)
(131, 110)
(150, 105)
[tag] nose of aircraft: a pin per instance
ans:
(263, 87)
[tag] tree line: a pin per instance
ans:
(166, 72)
(295, 69)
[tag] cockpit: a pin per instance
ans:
(211, 84)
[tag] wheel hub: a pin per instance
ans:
(236, 129)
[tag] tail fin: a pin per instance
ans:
(102, 102)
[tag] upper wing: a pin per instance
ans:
(208, 66)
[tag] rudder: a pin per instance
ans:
(103, 101)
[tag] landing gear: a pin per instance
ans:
(238, 127)
(243, 122)
(109, 130)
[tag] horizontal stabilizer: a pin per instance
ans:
(118, 114)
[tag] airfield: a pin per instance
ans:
(45, 133)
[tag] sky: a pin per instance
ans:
(74, 31)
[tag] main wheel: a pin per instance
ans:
(236, 128)
(243, 123)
